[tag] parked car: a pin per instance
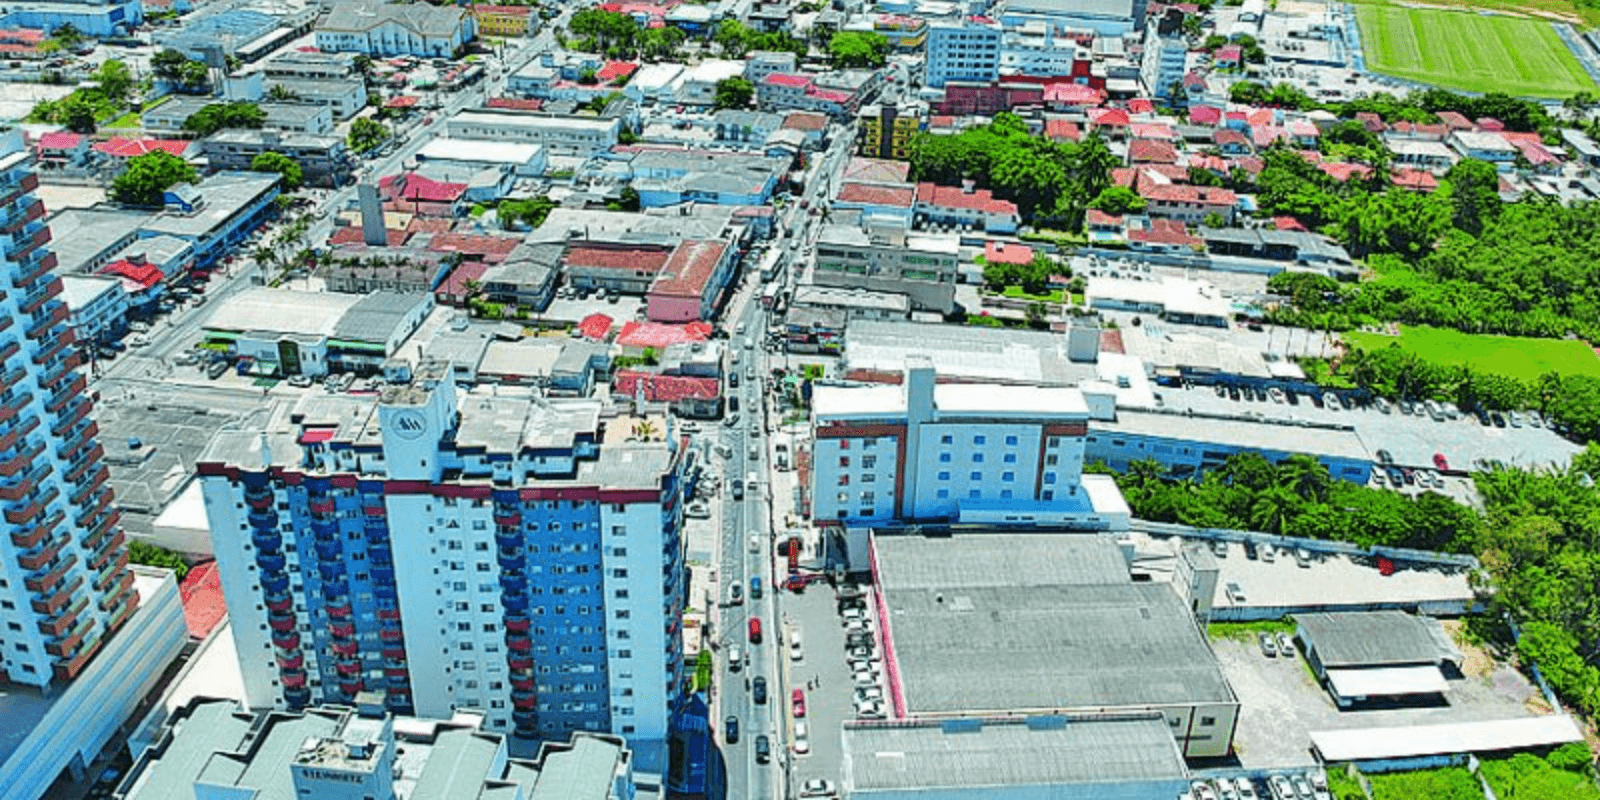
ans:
(802, 738)
(1281, 787)
(1385, 457)
(871, 709)
(1285, 645)
(1246, 788)
(734, 660)
(797, 699)
(730, 729)
(1269, 645)
(1535, 420)
(1332, 401)
(300, 381)
(763, 749)
(1499, 421)
(1201, 790)
(758, 689)
(735, 594)
(795, 651)
(816, 787)
(216, 369)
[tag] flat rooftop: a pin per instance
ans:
(1057, 615)
(1244, 434)
(1374, 638)
(963, 352)
(1042, 751)
(953, 400)
(282, 311)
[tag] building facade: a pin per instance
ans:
(886, 130)
(66, 584)
(395, 29)
(323, 159)
(488, 555)
(923, 268)
(927, 451)
(962, 51)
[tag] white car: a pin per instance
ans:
(802, 743)
(816, 787)
(870, 710)
(865, 679)
(795, 651)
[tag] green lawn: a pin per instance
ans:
(1016, 293)
(1524, 359)
(1460, 50)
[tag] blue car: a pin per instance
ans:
(730, 729)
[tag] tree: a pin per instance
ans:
(152, 556)
(858, 49)
(77, 113)
(531, 212)
(149, 176)
(734, 93)
(68, 35)
(281, 93)
(1474, 194)
(115, 81)
(366, 135)
(1118, 200)
(628, 199)
(218, 116)
(285, 166)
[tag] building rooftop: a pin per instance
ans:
(1240, 433)
(951, 400)
(689, 270)
(1374, 638)
(1037, 752)
(376, 316)
(282, 311)
(996, 355)
(80, 236)
(223, 195)
(79, 290)
(1057, 615)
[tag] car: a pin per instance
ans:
(1441, 462)
(795, 651)
(1499, 421)
(738, 491)
(138, 340)
(763, 749)
(1408, 475)
(851, 614)
(1395, 476)
(1302, 787)
(139, 327)
(755, 630)
(1482, 415)
(797, 700)
(1285, 645)
(755, 587)
(1251, 552)
(1246, 788)
(733, 380)
(734, 658)
(1282, 788)
(869, 693)
(1233, 393)
(864, 678)
(861, 626)
(758, 690)
(1516, 419)
(802, 740)
(1385, 457)
(1535, 420)
(871, 709)
(730, 729)
(216, 369)
(300, 381)
(1332, 401)
(1383, 405)
(1269, 645)
(858, 652)
(1377, 476)
(816, 787)
(735, 594)
(1235, 593)
(1201, 790)
(1404, 405)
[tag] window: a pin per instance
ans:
(844, 462)
(944, 476)
(1206, 722)
(1050, 460)
(977, 458)
(1008, 476)
(944, 494)
(869, 462)
(1010, 458)
(974, 494)
(947, 440)
(944, 458)
(1049, 477)
(1011, 441)
(1005, 494)
(980, 439)
(844, 480)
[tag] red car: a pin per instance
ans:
(1440, 462)
(755, 630)
(798, 699)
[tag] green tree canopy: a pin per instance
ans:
(148, 176)
(734, 92)
(285, 166)
(367, 135)
(1118, 200)
(858, 49)
(218, 116)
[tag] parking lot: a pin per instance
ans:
(830, 698)
(1282, 703)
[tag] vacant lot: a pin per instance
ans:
(1521, 358)
(1461, 50)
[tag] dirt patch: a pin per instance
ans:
(1478, 663)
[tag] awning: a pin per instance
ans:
(1387, 681)
(1368, 743)
(317, 435)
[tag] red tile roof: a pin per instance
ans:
(1415, 179)
(515, 103)
(1141, 105)
(351, 234)
(1222, 136)
(902, 196)
(1455, 121)
(787, 79)
(659, 335)
(595, 326)
(1490, 124)
(664, 388)
(983, 200)
(876, 170)
(1062, 130)
(1342, 171)
(1231, 54)
(616, 69)
(456, 284)
(409, 186)
(118, 147)
(429, 225)
(1108, 118)
(201, 595)
(1002, 253)
(1264, 135)
(1153, 130)
(1123, 176)
(1287, 224)
(1215, 164)
(688, 272)
(142, 275)
(402, 101)
(1151, 151)
(595, 255)
(1164, 231)
(60, 140)
(1100, 219)
(1073, 94)
(489, 249)
(1205, 115)
(1372, 121)
(806, 121)
(1178, 193)
(1536, 153)
(1261, 116)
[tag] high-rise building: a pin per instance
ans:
(497, 552)
(65, 585)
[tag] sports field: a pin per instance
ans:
(1460, 50)
(1521, 358)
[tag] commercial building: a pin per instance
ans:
(97, 307)
(1378, 656)
(922, 268)
(886, 129)
(1188, 445)
(957, 452)
(315, 66)
(667, 177)
(66, 591)
(1060, 627)
(964, 51)
(334, 753)
(396, 29)
(558, 134)
(287, 332)
(495, 551)
(345, 97)
(97, 18)
(1178, 300)
(523, 160)
(323, 159)
(1070, 757)
(217, 213)
(1106, 18)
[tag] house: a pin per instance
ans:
(1422, 154)
(1230, 57)
(965, 207)
(419, 195)
(395, 29)
(1187, 204)
(1105, 228)
(1160, 236)
(686, 287)
(62, 149)
(893, 203)
(526, 278)
(925, 269)
(1414, 179)
(121, 149)
(1484, 146)
(1151, 151)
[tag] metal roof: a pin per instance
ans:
(376, 317)
(1041, 751)
(1387, 681)
(1368, 743)
(1056, 615)
(1373, 638)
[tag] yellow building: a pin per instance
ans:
(886, 131)
(504, 21)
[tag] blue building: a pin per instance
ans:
(97, 18)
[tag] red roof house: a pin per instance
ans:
(1002, 253)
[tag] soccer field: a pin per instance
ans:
(1459, 50)
(1525, 359)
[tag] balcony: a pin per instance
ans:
(293, 661)
(31, 268)
(325, 530)
(275, 584)
(524, 703)
(29, 510)
(527, 722)
(272, 562)
(268, 539)
(342, 629)
(348, 667)
(346, 649)
(21, 459)
(13, 222)
(520, 663)
(53, 601)
(43, 583)
(263, 520)
(518, 624)
(297, 697)
(79, 467)
(512, 559)
(103, 578)
(286, 640)
(507, 519)
(47, 324)
(331, 572)
(340, 610)
(281, 605)
(33, 301)
(14, 188)
(295, 681)
(69, 669)
(513, 582)
(120, 591)
(389, 614)
(87, 486)
(379, 557)
(49, 351)
(70, 417)
(281, 623)
(259, 498)
(328, 551)
(26, 539)
(10, 350)
(67, 643)
(351, 687)
(92, 509)
(376, 533)
(514, 602)
(103, 553)
(520, 645)
(11, 408)
(53, 627)
(395, 672)
(391, 635)
(322, 506)
(383, 576)
(37, 560)
(524, 684)
(60, 397)
(394, 652)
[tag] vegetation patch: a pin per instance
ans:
(1516, 357)
(1450, 783)
(1247, 631)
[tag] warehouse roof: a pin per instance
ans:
(1374, 638)
(1041, 751)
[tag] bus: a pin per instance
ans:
(772, 297)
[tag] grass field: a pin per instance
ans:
(1472, 52)
(1525, 359)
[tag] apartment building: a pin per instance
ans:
(962, 51)
(923, 268)
(324, 160)
(558, 134)
(484, 551)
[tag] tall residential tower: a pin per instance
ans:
(496, 551)
(65, 585)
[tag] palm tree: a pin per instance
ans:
(644, 429)
(1305, 476)
(1272, 508)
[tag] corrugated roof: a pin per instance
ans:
(1369, 743)
(1371, 638)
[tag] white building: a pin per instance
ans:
(445, 553)
(966, 452)
(962, 51)
(558, 134)
(524, 160)
(396, 29)
(98, 307)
